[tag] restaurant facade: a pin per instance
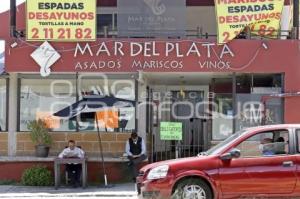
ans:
(212, 90)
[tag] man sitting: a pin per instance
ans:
(74, 170)
(136, 152)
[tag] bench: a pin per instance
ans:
(59, 161)
(116, 167)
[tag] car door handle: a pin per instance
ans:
(288, 164)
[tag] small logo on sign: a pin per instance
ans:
(156, 6)
(45, 56)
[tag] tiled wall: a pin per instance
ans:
(113, 144)
(3, 143)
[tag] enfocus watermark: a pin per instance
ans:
(98, 86)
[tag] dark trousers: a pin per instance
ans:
(134, 163)
(74, 173)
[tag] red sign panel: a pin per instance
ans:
(154, 56)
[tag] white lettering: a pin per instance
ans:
(118, 48)
(226, 50)
(178, 50)
(147, 49)
(103, 48)
(193, 49)
(208, 48)
(169, 48)
(154, 50)
(87, 47)
(132, 47)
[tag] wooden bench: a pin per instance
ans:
(59, 161)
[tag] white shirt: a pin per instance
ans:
(127, 149)
(76, 152)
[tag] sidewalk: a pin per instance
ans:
(117, 190)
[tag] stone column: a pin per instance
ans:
(12, 114)
(141, 127)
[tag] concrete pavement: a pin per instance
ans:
(116, 191)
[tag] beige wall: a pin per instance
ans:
(3, 143)
(113, 143)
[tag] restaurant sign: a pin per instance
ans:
(132, 55)
(173, 55)
(61, 20)
(261, 16)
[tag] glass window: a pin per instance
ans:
(265, 144)
(121, 117)
(40, 98)
(253, 111)
(109, 20)
(222, 114)
(254, 106)
(267, 80)
(298, 140)
(3, 104)
(222, 107)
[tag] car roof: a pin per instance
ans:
(275, 126)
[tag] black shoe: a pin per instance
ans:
(134, 180)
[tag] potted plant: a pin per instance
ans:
(40, 136)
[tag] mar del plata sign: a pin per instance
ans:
(151, 55)
(130, 56)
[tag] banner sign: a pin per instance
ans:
(151, 18)
(262, 16)
(61, 20)
(108, 119)
(51, 121)
(171, 131)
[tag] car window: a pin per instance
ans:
(298, 140)
(263, 144)
(219, 147)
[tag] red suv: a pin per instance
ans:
(256, 162)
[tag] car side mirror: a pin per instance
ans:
(226, 156)
(234, 153)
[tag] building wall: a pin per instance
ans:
(196, 16)
(3, 143)
(116, 171)
(202, 17)
(113, 144)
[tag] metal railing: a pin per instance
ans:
(173, 151)
(192, 33)
(201, 34)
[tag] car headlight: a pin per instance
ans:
(158, 172)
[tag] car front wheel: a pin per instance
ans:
(192, 189)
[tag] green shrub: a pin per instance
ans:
(39, 132)
(37, 176)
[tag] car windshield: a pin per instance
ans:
(219, 147)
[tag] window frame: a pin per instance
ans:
(234, 93)
(38, 77)
(6, 77)
(288, 142)
(297, 141)
(112, 76)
